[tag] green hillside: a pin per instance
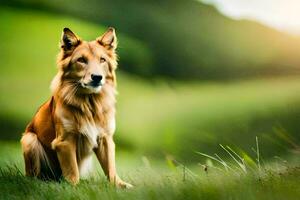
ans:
(185, 39)
(154, 117)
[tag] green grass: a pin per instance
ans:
(153, 180)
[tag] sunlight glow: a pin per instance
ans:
(280, 14)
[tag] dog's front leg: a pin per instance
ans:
(106, 156)
(66, 153)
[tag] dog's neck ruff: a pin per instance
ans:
(89, 108)
(94, 103)
(67, 92)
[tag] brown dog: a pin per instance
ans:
(79, 118)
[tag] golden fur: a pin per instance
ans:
(79, 118)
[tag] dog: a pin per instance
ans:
(79, 118)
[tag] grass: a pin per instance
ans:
(154, 181)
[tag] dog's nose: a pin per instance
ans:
(96, 78)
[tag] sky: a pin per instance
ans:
(280, 14)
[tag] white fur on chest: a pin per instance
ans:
(111, 127)
(91, 131)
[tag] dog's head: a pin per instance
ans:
(88, 64)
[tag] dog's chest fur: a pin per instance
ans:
(88, 129)
(91, 131)
(90, 117)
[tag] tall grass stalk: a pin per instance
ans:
(237, 158)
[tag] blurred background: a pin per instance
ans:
(192, 74)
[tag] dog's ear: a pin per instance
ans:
(108, 39)
(69, 40)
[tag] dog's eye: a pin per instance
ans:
(82, 60)
(102, 60)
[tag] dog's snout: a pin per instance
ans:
(96, 78)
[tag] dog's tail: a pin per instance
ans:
(34, 155)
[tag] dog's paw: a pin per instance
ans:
(124, 185)
(73, 180)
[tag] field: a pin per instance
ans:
(158, 121)
(155, 180)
